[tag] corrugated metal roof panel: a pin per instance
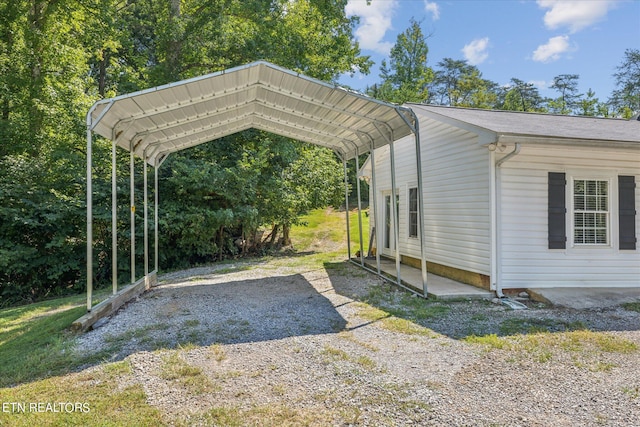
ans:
(259, 95)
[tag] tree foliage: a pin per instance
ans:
(58, 57)
(407, 76)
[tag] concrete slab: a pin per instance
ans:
(437, 286)
(582, 298)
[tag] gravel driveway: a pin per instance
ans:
(271, 344)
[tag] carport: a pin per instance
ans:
(153, 123)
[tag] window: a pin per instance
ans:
(413, 212)
(590, 212)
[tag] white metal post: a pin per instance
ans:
(89, 215)
(359, 206)
(375, 208)
(394, 213)
(133, 213)
(422, 231)
(146, 221)
(114, 220)
(346, 205)
(155, 215)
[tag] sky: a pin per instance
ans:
(530, 40)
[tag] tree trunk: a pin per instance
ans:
(286, 239)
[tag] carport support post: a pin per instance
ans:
(375, 207)
(114, 222)
(89, 214)
(394, 213)
(155, 216)
(415, 128)
(359, 207)
(133, 213)
(146, 221)
(346, 204)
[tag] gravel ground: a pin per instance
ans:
(274, 345)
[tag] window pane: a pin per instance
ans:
(413, 212)
(590, 212)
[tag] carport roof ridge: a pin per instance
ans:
(158, 121)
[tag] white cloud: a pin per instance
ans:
(574, 14)
(375, 21)
(433, 9)
(552, 50)
(476, 51)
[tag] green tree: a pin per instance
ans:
(58, 57)
(567, 86)
(407, 76)
(456, 83)
(588, 104)
(521, 96)
(626, 97)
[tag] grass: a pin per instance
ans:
(102, 401)
(632, 306)
(588, 349)
(35, 341)
(175, 368)
(390, 322)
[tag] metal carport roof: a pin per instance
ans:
(259, 95)
(156, 122)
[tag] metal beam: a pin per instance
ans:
(346, 205)
(89, 214)
(133, 214)
(359, 206)
(146, 220)
(114, 220)
(394, 213)
(415, 128)
(374, 192)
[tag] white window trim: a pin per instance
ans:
(612, 222)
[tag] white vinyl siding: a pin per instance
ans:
(455, 195)
(524, 257)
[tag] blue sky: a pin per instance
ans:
(530, 40)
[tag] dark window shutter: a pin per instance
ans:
(627, 212)
(557, 211)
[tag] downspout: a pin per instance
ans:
(495, 179)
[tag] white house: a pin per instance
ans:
(515, 200)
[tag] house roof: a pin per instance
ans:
(155, 122)
(515, 126)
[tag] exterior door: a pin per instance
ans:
(389, 244)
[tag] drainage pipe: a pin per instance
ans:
(495, 180)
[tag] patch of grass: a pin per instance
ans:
(273, 415)
(366, 362)
(117, 369)
(632, 306)
(103, 401)
(335, 353)
(35, 341)
(392, 323)
(632, 392)
(515, 326)
(588, 348)
(217, 352)
(491, 341)
(350, 337)
(144, 335)
(175, 368)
